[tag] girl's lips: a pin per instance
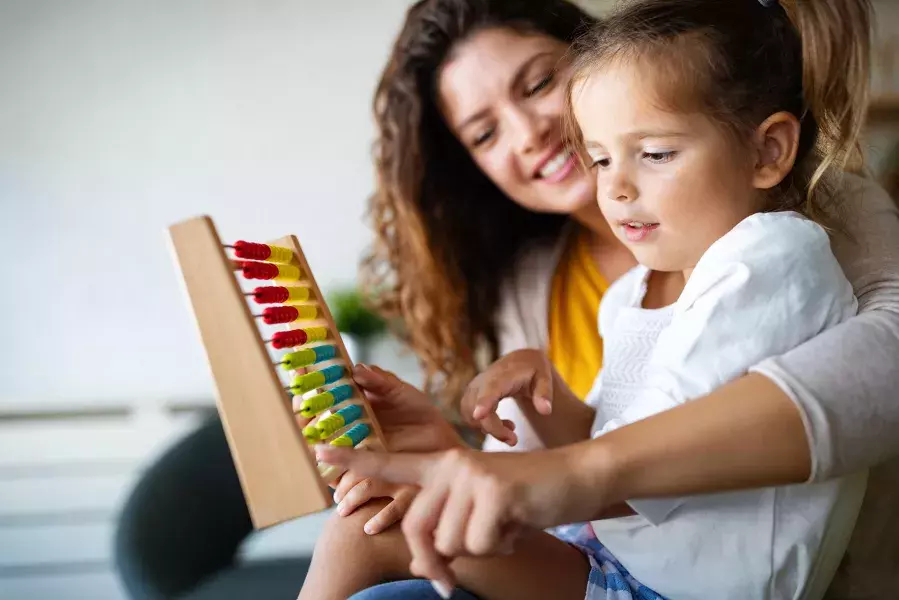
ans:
(640, 232)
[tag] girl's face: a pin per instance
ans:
(502, 94)
(669, 183)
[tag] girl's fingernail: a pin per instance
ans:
(442, 589)
(341, 509)
(369, 528)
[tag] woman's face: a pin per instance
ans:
(502, 94)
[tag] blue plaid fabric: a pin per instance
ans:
(609, 580)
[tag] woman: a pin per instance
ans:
(482, 221)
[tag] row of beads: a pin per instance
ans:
(273, 264)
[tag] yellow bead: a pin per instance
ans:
(280, 255)
(308, 382)
(299, 359)
(306, 311)
(287, 273)
(297, 294)
(316, 334)
(310, 432)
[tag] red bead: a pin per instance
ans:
(280, 314)
(259, 270)
(270, 294)
(251, 250)
(289, 339)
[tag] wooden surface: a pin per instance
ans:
(276, 468)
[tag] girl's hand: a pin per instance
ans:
(354, 490)
(526, 375)
(410, 423)
(477, 502)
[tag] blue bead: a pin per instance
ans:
(341, 393)
(358, 433)
(332, 373)
(350, 413)
(323, 353)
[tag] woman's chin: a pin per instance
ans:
(569, 200)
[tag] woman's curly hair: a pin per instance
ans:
(446, 236)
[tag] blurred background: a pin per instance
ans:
(118, 118)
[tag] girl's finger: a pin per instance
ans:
(496, 427)
(542, 393)
(358, 495)
(347, 482)
(391, 513)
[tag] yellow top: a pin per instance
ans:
(575, 348)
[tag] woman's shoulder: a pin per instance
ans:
(859, 191)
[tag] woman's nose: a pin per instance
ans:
(531, 131)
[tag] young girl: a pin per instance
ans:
(714, 131)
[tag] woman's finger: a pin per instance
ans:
(484, 528)
(419, 526)
(449, 538)
(391, 513)
(398, 468)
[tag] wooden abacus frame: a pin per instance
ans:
(276, 467)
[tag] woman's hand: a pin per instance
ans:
(475, 503)
(408, 417)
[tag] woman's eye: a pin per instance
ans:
(540, 85)
(482, 138)
(600, 162)
(659, 157)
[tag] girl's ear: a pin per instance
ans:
(775, 143)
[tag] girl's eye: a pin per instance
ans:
(600, 162)
(483, 138)
(659, 157)
(540, 85)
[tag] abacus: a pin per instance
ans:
(270, 424)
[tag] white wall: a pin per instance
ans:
(118, 118)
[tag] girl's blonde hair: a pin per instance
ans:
(740, 61)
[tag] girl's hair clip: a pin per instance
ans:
(767, 3)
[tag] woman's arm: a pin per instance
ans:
(745, 434)
(845, 381)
